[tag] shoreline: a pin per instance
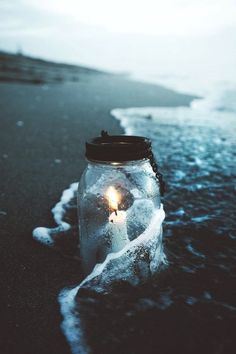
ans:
(44, 128)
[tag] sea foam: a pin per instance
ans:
(116, 267)
(46, 235)
(130, 265)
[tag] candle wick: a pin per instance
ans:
(116, 212)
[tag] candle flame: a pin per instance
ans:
(113, 198)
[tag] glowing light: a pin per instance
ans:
(113, 198)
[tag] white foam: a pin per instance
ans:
(46, 235)
(71, 325)
(43, 235)
(117, 266)
(134, 120)
(59, 209)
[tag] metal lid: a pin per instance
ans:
(118, 148)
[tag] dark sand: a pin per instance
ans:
(41, 124)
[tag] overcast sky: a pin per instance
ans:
(132, 35)
(158, 17)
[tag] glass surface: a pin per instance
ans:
(116, 202)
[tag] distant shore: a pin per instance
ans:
(48, 111)
(26, 69)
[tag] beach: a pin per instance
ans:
(44, 126)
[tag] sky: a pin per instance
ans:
(155, 17)
(166, 36)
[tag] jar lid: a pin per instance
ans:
(118, 148)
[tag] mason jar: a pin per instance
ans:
(118, 194)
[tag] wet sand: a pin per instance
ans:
(43, 130)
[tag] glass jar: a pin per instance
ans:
(116, 199)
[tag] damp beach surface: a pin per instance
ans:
(190, 304)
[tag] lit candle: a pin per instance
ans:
(117, 228)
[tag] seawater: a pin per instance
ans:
(189, 306)
(195, 147)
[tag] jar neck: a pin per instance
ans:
(118, 164)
